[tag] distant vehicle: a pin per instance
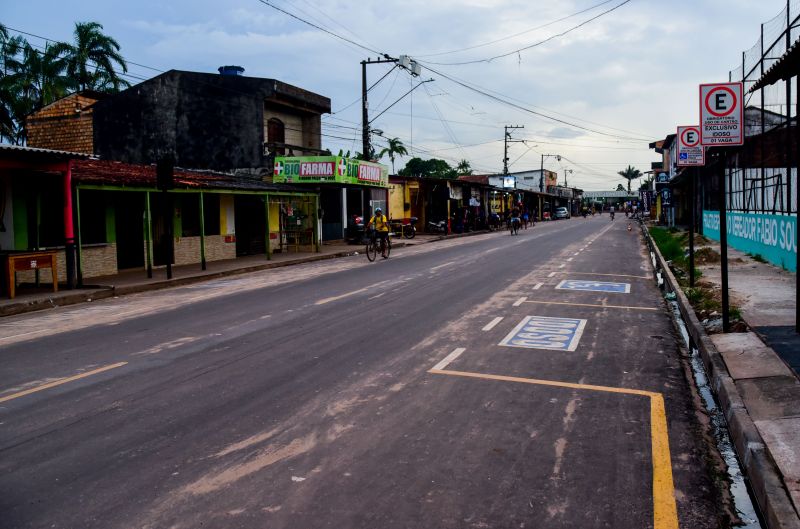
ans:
(561, 213)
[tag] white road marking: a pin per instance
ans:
(570, 259)
(519, 302)
(562, 265)
(449, 358)
(551, 274)
(489, 326)
(379, 295)
(538, 286)
(442, 265)
(335, 298)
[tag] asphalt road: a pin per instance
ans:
(450, 386)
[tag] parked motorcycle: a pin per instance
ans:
(410, 229)
(493, 222)
(436, 227)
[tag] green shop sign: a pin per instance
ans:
(329, 169)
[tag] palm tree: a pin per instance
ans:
(395, 148)
(464, 167)
(91, 59)
(630, 173)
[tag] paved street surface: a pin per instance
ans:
(494, 381)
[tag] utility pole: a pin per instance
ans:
(565, 176)
(506, 140)
(541, 171)
(405, 62)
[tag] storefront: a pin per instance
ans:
(347, 187)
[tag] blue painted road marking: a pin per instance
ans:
(542, 332)
(594, 286)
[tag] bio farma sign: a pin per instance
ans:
(690, 151)
(721, 114)
(329, 169)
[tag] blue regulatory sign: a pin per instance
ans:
(594, 286)
(542, 332)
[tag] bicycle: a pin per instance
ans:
(375, 245)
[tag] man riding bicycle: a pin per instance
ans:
(381, 228)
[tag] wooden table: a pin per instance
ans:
(17, 262)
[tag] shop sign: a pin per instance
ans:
(774, 237)
(329, 169)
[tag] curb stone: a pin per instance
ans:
(765, 480)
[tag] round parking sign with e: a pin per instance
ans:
(721, 101)
(690, 137)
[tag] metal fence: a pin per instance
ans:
(764, 187)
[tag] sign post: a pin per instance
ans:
(722, 125)
(691, 154)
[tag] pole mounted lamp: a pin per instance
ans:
(405, 62)
(541, 174)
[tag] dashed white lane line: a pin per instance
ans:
(570, 259)
(562, 265)
(551, 274)
(443, 265)
(519, 302)
(489, 326)
(449, 358)
(538, 286)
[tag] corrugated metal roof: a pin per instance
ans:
(110, 173)
(35, 150)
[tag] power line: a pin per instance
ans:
(548, 39)
(509, 37)
(528, 110)
(331, 33)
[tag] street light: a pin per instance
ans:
(405, 62)
(541, 174)
(565, 176)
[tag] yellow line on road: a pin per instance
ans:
(589, 305)
(665, 511)
(61, 381)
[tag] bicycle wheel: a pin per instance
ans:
(372, 250)
(408, 231)
(387, 248)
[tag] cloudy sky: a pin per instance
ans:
(596, 96)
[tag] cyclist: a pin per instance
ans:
(611, 209)
(381, 228)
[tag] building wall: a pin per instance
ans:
(98, 260)
(7, 220)
(65, 125)
(292, 123)
(187, 249)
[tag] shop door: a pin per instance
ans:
(129, 217)
(250, 221)
(330, 201)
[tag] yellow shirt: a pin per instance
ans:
(380, 222)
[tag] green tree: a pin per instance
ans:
(630, 173)
(647, 183)
(92, 58)
(464, 167)
(395, 148)
(620, 187)
(433, 168)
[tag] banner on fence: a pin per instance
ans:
(774, 237)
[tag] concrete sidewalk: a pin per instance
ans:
(757, 386)
(30, 299)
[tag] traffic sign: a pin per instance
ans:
(721, 114)
(690, 151)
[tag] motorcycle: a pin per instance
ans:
(436, 227)
(410, 229)
(355, 233)
(493, 222)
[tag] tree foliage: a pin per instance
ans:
(395, 148)
(31, 78)
(630, 173)
(433, 168)
(464, 167)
